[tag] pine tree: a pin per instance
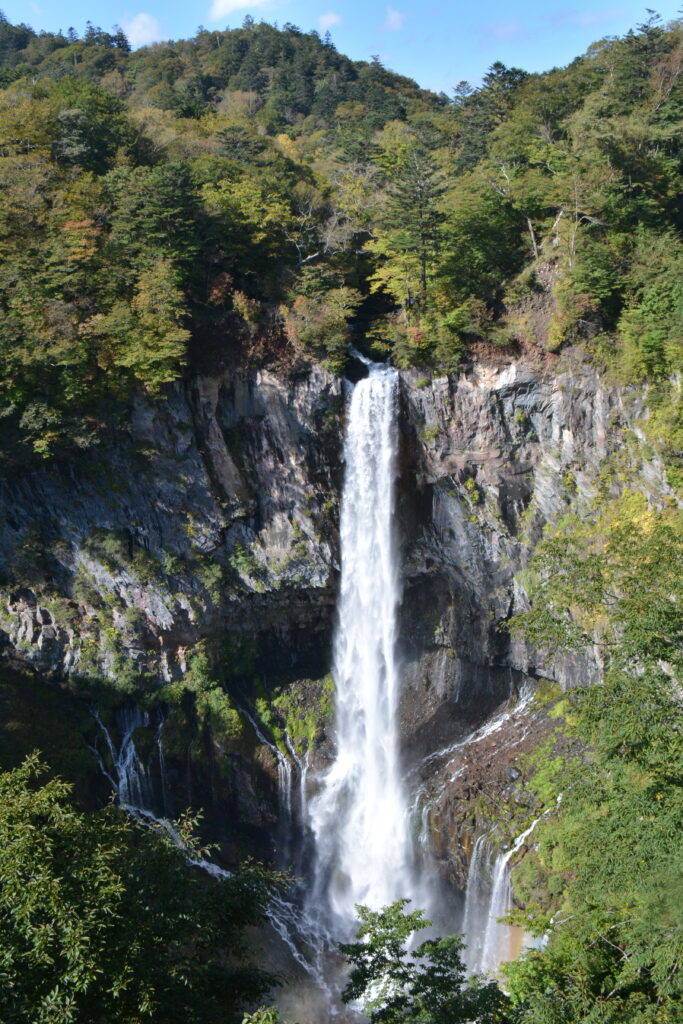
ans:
(413, 209)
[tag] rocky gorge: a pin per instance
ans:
(187, 572)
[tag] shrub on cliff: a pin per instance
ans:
(318, 325)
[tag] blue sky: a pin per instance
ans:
(438, 44)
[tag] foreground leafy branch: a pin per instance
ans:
(425, 985)
(101, 919)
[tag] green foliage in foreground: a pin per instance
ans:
(101, 919)
(264, 1015)
(606, 882)
(426, 985)
(607, 879)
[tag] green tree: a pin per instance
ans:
(89, 125)
(426, 985)
(318, 324)
(144, 338)
(101, 919)
(606, 882)
(479, 111)
(154, 214)
(413, 217)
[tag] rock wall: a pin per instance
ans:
(490, 458)
(177, 528)
(211, 517)
(208, 519)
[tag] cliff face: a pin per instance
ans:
(491, 458)
(205, 502)
(212, 518)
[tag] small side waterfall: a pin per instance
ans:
(131, 778)
(284, 784)
(360, 817)
(489, 941)
(296, 929)
(477, 904)
(132, 783)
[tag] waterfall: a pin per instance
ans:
(299, 933)
(489, 941)
(299, 812)
(284, 782)
(360, 817)
(165, 795)
(477, 903)
(131, 779)
(495, 942)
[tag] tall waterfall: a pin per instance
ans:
(360, 817)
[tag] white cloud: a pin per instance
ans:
(222, 8)
(503, 29)
(596, 17)
(329, 20)
(394, 20)
(141, 29)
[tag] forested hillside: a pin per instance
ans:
(255, 191)
(253, 200)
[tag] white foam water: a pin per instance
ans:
(360, 818)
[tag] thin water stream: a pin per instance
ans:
(490, 941)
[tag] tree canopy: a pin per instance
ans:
(423, 985)
(244, 193)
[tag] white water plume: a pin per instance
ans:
(360, 818)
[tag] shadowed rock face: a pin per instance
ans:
(213, 516)
(213, 505)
